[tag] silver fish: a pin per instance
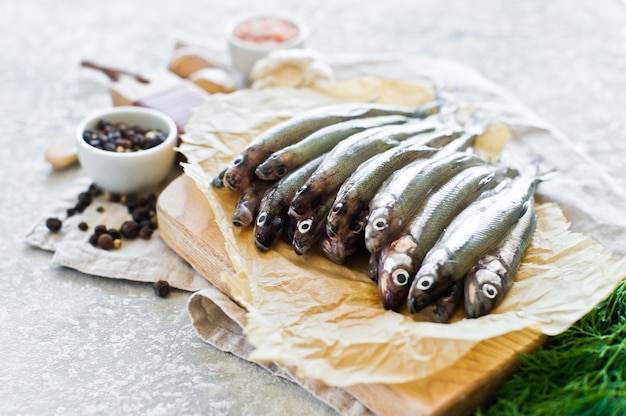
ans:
(309, 229)
(273, 217)
(283, 161)
(400, 260)
(348, 215)
(400, 197)
(492, 276)
(346, 157)
(473, 232)
(241, 170)
(247, 207)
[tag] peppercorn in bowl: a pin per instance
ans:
(127, 149)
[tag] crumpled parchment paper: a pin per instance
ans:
(325, 320)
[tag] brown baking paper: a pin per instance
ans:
(324, 319)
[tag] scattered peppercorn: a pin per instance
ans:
(100, 229)
(161, 288)
(114, 233)
(145, 233)
(105, 241)
(130, 230)
(54, 224)
(142, 209)
(120, 137)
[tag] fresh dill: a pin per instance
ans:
(579, 372)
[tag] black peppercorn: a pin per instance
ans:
(83, 226)
(161, 288)
(129, 229)
(100, 229)
(119, 137)
(145, 232)
(84, 198)
(114, 233)
(105, 241)
(54, 224)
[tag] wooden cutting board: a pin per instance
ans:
(187, 225)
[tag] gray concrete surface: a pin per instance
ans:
(77, 344)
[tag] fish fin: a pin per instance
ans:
(444, 103)
(524, 208)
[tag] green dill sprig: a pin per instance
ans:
(580, 372)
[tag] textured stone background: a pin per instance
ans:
(77, 344)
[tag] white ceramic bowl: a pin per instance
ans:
(128, 172)
(245, 53)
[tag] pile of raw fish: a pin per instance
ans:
(442, 224)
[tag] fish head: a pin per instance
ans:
(431, 282)
(443, 308)
(242, 216)
(335, 219)
(395, 274)
(346, 218)
(483, 289)
(306, 199)
(337, 249)
(267, 229)
(274, 167)
(235, 177)
(306, 234)
(240, 171)
(380, 228)
(218, 181)
(330, 251)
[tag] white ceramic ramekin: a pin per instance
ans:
(128, 172)
(245, 53)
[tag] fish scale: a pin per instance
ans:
(321, 141)
(346, 157)
(492, 276)
(470, 235)
(241, 170)
(398, 200)
(350, 206)
(403, 256)
(274, 205)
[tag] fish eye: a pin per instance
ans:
(281, 171)
(305, 225)
(337, 208)
(490, 290)
(237, 160)
(425, 283)
(380, 224)
(261, 219)
(400, 277)
(357, 228)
